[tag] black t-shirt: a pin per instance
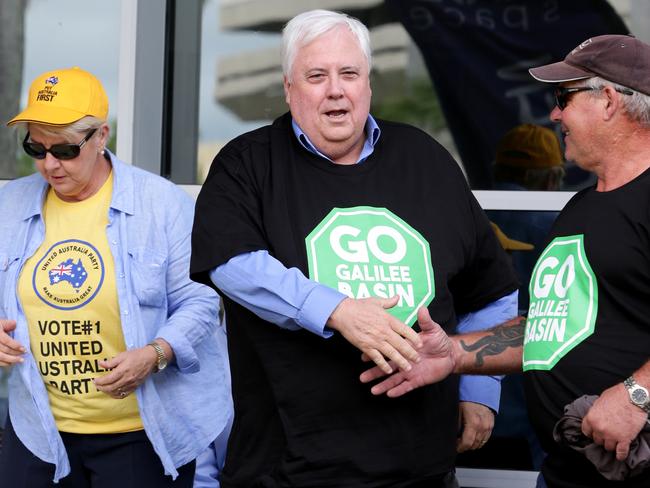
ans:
(302, 418)
(614, 228)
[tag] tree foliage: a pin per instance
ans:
(417, 105)
(12, 15)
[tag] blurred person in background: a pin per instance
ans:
(528, 157)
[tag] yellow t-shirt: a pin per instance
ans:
(67, 291)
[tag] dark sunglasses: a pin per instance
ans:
(59, 151)
(563, 94)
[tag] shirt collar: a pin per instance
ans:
(124, 186)
(34, 206)
(371, 130)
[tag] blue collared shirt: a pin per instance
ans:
(186, 406)
(486, 389)
(372, 130)
(285, 297)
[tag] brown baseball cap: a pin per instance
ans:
(618, 58)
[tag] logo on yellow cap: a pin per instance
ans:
(47, 94)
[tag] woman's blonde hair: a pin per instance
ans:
(70, 131)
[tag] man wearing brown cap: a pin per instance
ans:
(587, 331)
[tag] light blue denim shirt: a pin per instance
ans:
(210, 463)
(187, 405)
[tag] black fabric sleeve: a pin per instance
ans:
(489, 275)
(228, 217)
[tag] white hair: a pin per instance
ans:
(69, 131)
(636, 105)
(307, 26)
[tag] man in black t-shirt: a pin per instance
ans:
(325, 232)
(588, 326)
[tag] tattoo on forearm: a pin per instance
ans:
(509, 334)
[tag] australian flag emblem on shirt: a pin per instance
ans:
(73, 273)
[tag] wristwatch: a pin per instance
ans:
(161, 363)
(639, 395)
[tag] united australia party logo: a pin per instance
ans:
(69, 275)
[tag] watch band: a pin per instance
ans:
(639, 395)
(161, 362)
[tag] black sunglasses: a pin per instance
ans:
(563, 94)
(59, 151)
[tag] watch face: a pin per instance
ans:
(162, 364)
(639, 396)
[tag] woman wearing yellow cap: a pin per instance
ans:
(115, 368)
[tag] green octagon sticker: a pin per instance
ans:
(563, 303)
(370, 252)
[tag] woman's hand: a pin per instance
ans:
(129, 369)
(11, 351)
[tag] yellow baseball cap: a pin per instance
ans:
(63, 96)
(529, 146)
(510, 244)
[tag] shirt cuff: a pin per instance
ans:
(185, 356)
(317, 308)
(485, 390)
